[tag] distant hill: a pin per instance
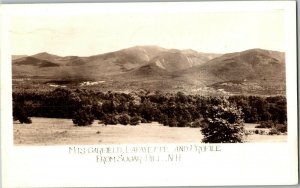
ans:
(254, 69)
(250, 64)
(32, 61)
(48, 57)
(14, 57)
(251, 71)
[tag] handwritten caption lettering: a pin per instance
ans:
(142, 154)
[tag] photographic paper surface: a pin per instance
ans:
(149, 94)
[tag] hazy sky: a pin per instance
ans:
(218, 32)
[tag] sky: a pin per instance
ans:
(85, 35)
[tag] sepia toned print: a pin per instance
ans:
(208, 77)
(184, 93)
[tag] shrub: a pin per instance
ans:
(262, 132)
(281, 128)
(183, 123)
(172, 122)
(27, 121)
(266, 124)
(134, 120)
(249, 132)
(274, 131)
(224, 123)
(196, 124)
(124, 119)
(143, 120)
(199, 123)
(83, 116)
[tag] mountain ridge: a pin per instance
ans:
(252, 69)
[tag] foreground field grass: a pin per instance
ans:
(51, 131)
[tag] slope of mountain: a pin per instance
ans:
(32, 61)
(254, 64)
(48, 57)
(124, 60)
(169, 61)
(148, 71)
(249, 71)
(174, 60)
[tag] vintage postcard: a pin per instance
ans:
(149, 94)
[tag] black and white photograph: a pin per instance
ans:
(149, 78)
(151, 74)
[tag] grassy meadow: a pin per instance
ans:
(53, 131)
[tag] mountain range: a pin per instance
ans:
(255, 71)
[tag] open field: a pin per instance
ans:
(51, 131)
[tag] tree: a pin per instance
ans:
(109, 106)
(97, 111)
(224, 123)
(83, 116)
(147, 110)
(110, 119)
(163, 119)
(19, 113)
(184, 118)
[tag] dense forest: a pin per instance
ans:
(172, 109)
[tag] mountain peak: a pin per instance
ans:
(146, 46)
(189, 51)
(42, 53)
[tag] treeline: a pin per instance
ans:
(178, 109)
